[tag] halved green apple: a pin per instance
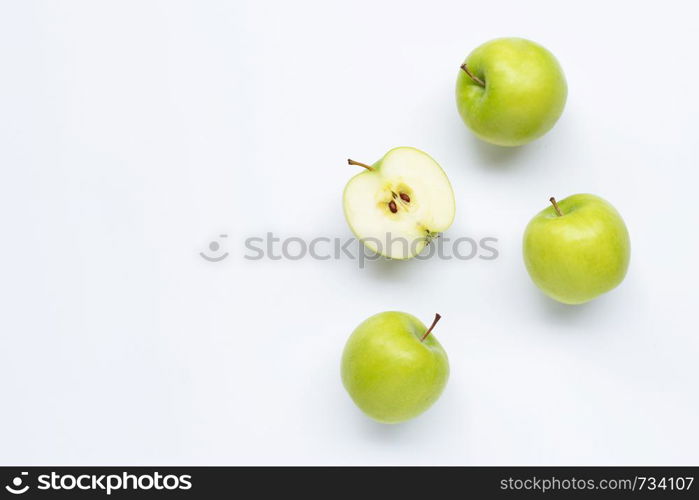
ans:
(400, 203)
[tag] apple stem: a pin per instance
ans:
(555, 206)
(472, 76)
(437, 317)
(352, 162)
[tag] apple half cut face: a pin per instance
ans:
(396, 206)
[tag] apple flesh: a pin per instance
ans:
(510, 91)
(400, 203)
(577, 249)
(393, 367)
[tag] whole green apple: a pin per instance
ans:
(510, 91)
(577, 248)
(393, 368)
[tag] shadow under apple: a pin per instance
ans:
(491, 155)
(383, 268)
(377, 432)
(567, 314)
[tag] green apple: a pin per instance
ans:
(393, 368)
(510, 91)
(400, 203)
(577, 248)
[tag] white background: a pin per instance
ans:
(133, 133)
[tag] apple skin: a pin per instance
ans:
(580, 255)
(524, 95)
(389, 373)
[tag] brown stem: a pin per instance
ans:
(437, 317)
(555, 206)
(352, 162)
(472, 76)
